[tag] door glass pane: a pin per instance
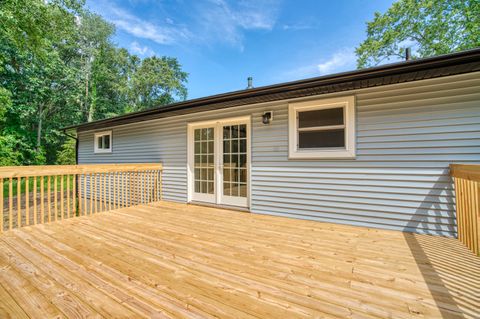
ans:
(226, 174)
(226, 132)
(235, 160)
(243, 190)
(226, 189)
(211, 188)
(243, 176)
(204, 176)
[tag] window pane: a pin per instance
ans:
(210, 133)
(320, 117)
(243, 190)
(226, 174)
(234, 176)
(226, 132)
(235, 160)
(106, 142)
(243, 130)
(226, 146)
(211, 174)
(243, 160)
(243, 175)
(226, 189)
(210, 159)
(243, 145)
(234, 131)
(197, 134)
(226, 160)
(100, 142)
(321, 139)
(203, 135)
(211, 187)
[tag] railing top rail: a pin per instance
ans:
(466, 171)
(46, 170)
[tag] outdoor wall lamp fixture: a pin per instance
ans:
(267, 117)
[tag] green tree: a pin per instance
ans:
(58, 67)
(66, 154)
(430, 27)
(158, 81)
(94, 35)
(33, 35)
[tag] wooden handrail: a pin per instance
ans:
(469, 172)
(467, 197)
(46, 170)
(78, 190)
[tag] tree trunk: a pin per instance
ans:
(39, 127)
(88, 107)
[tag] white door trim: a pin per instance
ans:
(219, 199)
(208, 198)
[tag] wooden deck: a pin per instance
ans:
(167, 260)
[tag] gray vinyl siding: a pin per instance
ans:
(407, 134)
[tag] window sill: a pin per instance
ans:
(321, 155)
(102, 151)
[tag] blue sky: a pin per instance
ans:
(220, 43)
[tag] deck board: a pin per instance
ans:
(170, 260)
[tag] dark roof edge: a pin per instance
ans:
(362, 74)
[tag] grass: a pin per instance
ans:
(6, 183)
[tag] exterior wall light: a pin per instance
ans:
(267, 117)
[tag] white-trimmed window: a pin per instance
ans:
(322, 128)
(103, 142)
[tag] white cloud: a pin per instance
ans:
(296, 27)
(342, 60)
(161, 34)
(210, 21)
(136, 48)
(339, 61)
(226, 22)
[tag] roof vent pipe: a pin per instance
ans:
(408, 55)
(249, 83)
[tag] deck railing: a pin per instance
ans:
(467, 190)
(40, 194)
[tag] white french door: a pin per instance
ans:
(219, 160)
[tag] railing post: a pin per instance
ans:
(19, 201)
(10, 203)
(467, 190)
(49, 199)
(1, 205)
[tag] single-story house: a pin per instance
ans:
(369, 147)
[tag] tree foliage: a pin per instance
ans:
(430, 27)
(58, 67)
